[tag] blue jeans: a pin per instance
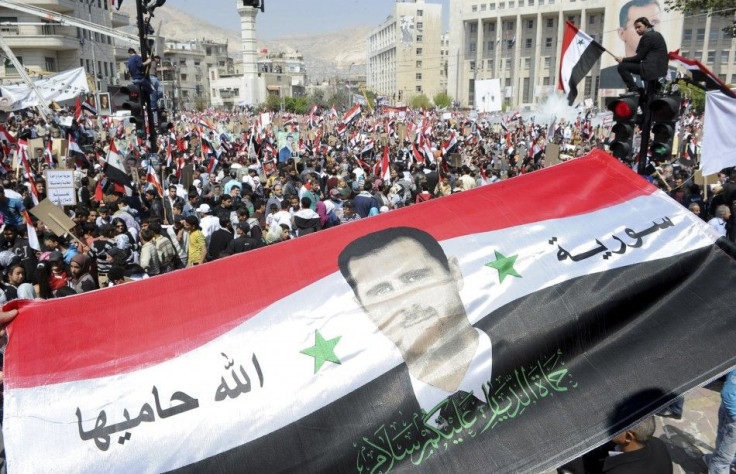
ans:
(147, 87)
(723, 455)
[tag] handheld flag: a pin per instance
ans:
(579, 53)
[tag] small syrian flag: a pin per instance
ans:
(351, 114)
(418, 156)
(702, 74)
(89, 107)
(340, 129)
(212, 164)
(448, 145)
(32, 236)
(385, 166)
(80, 158)
(579, 53)
(114, 168)
(152, 178)
(368, 148)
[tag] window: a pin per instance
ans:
(183, 77)
(724, 57)
(687, 35)
(588, 86)
(528, 43)
(508, 64)
(545, 81)
(420, 25)
(722, 77)
(591, 19)
(88, 67)
(49, 64)
(492, 6)
(418, 76)
(419, 38)
(530, 24)
(13, 29)
(501, 5)
(472, 65)
(99, 67)
(97, 37)
(548, 42)
(508, 82)
(527, 63)
(419, 89)
(527, 90)
(483, 7)
(531, 3)
(547, 62)
(509, 25)
(490, 64)
(472, 47)
(571, 18)
(419, 50)
(474, 8)
(701, 34)
(550, 21)
(711, 56)
(490, 45)
(713, 35)
(420, 12)
(512, 5)
(491, 27)
(182, 62)
(473, 27)
(419, 64)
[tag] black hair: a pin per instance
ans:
(623, 14)
(375, 241)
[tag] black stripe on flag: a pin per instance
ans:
(590, 56)
(117, 175)
(631, 339)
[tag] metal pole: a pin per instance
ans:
(92, 45)
(646, 128)
(145, 96)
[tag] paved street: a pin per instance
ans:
(688, 439)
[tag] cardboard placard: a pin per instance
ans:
(59, 147)
(456, 160)
(701, 180)
(53, 217)
(401, 132)
(552, 154)
(60, 187)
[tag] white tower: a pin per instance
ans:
(250, 91)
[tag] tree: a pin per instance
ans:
(272, 104)
(695, 94)
(713, 7)
(442, 100)
(420, 101)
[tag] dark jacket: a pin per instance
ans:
(652, 54)
(653, 458)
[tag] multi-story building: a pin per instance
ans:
(282, 74)
(45, 47)
(405, 53)
(519, 43)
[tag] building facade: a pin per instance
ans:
(45, 47)
(405, 53)
(519, 42)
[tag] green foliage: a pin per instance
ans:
(296, 105)
(200, 104)
(695, 94)
(442, 100)
(420, 101)
(713, 7)
(272, 104)
(318, 98)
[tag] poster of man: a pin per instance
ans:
(288, 145)
(621, 39)
(103, 103)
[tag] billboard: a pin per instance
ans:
(621, 39)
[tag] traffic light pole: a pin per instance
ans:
(646, 129)
(146, 85)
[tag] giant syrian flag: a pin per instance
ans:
(594, 299)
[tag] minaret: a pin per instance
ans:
(250, 92)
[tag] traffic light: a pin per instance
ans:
(624, 115)
(664, 111)
(135, 105)
(255, 4)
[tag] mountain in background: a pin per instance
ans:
(326, 55)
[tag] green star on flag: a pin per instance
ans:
(322, 351)
(504, 265)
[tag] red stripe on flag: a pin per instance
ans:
(177, 312)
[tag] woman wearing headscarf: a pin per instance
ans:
(81, 280)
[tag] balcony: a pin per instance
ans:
(59, 6)
(50, 42)
(119, 20)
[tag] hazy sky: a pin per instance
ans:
(284, 17)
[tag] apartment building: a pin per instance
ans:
(405, 55)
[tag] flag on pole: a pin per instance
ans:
(80, 158)
(152, 178)
(351, 114)
(78, 110)
(6, 136)
(385, 166)
(701, 74)
(580, 312)
(579, 53)
(719, 139)
(48, 155)
(114, 168)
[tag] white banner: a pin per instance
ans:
(62, 86)
(718, 137)
(488, 96)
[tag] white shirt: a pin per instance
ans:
(478, 373)
(209, 224)
(719, 225)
